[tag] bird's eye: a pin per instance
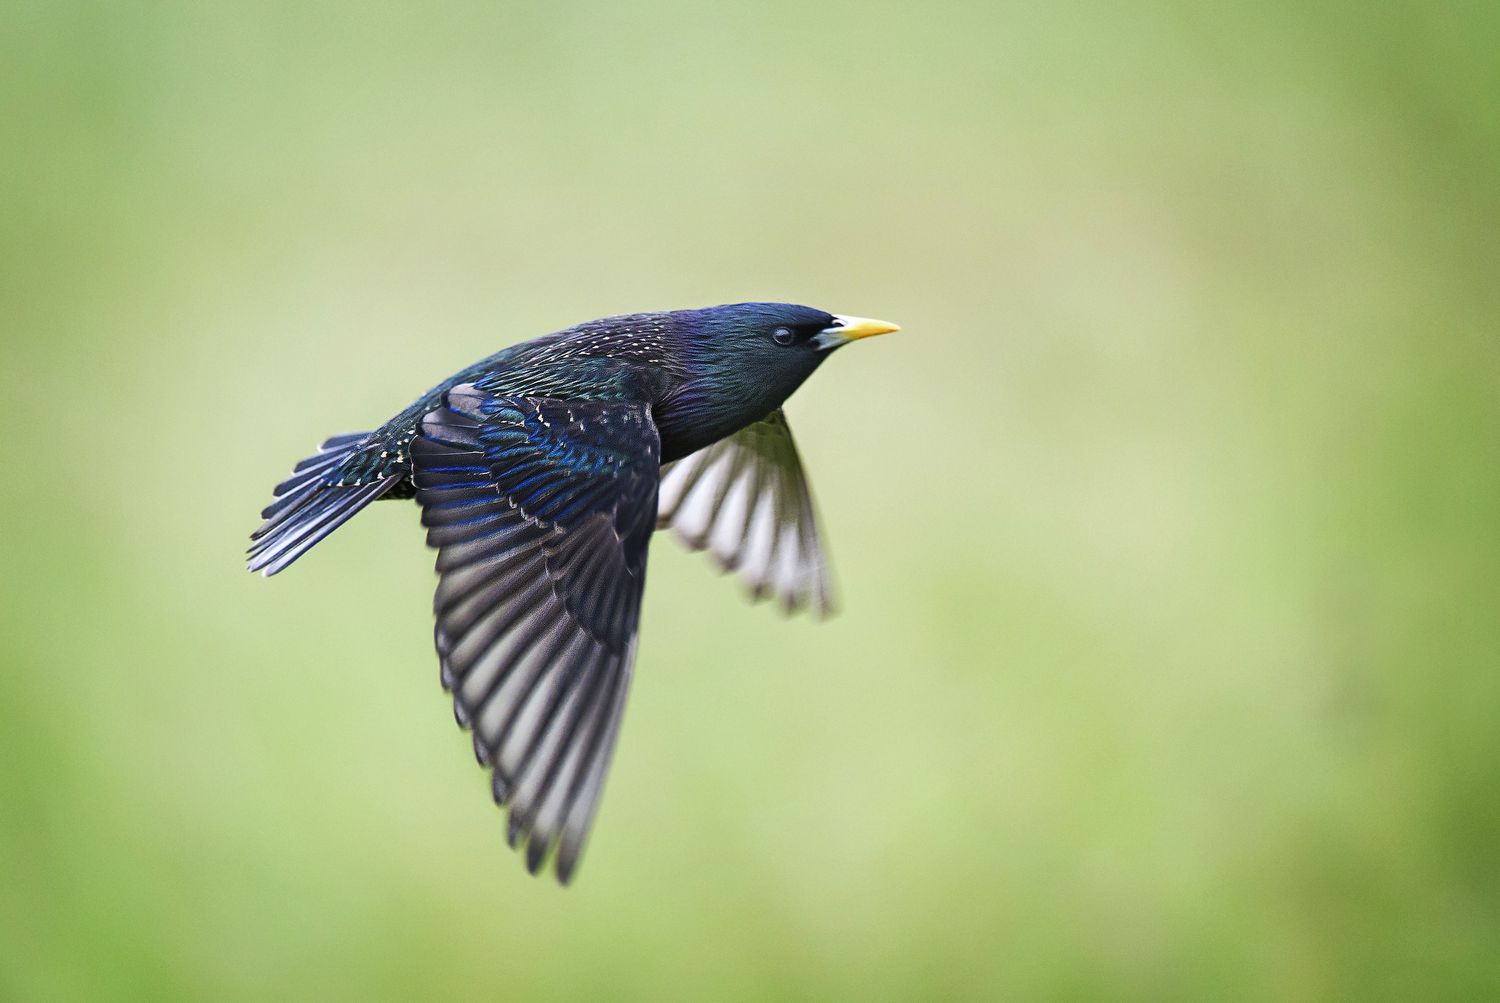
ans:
(782, 336)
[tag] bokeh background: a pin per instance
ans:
(1166, 531)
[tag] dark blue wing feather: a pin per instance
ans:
(541, 511)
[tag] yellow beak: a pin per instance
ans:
(847, 329)
(854, 328)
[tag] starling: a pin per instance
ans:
(541, 473)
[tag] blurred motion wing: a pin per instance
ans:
(745, 500)
(541, 511)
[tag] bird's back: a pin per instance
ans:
(623, 358)
(614, 359)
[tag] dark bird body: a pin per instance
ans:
(541, 472)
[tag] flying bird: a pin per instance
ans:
(541, 473)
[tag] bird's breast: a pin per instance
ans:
(689, 420)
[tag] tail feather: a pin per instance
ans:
(310, 473)
(308, 506)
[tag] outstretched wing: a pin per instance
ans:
(541, 511)
(745, 500)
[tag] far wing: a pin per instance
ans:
(745, 500)
(541, 511)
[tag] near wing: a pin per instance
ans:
(541, 511)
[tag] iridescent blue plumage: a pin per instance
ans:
(539, 472)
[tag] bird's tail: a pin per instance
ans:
(311, 504)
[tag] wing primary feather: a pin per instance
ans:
(583, 799)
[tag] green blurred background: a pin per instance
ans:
(1166, 531)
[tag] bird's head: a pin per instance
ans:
(758, 353)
